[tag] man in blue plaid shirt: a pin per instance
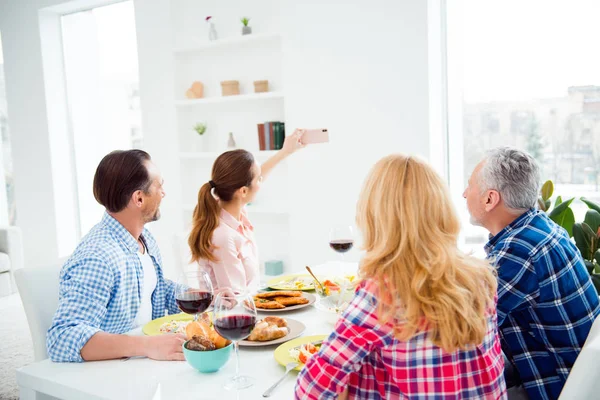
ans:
(113, 282)
(546, 300)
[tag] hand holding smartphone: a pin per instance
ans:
(315, 136)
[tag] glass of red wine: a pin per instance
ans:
(194, 292)
(341, 239)
(234, 317)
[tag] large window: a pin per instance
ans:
(101, 73)
(530, 78)
(8, 209)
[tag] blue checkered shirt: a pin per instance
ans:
(101, 288)
(546, 301)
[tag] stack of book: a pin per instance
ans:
(271, 135)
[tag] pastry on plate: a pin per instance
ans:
(267, 304)
(264, 331)
(280, 322)
(291, 301)
(279, 293)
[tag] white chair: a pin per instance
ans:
(38, 288)
(584, 379)
(11, 258)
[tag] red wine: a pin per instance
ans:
(342, 245)
(235, 327)
(194, 301)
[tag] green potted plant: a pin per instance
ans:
(200, 128)
(246, 30)
(586, 233)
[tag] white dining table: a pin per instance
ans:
(142, 378)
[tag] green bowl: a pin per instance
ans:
(207, 361)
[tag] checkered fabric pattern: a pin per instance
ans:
(363, 356)
(101, 287)
(546, 301)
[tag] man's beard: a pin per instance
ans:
(155, 216)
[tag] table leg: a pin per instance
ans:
(30, 394)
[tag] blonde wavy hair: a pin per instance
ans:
(410, 231)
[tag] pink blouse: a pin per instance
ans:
(235, 249)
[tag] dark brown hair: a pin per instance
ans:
(232, 170)
(119, 174)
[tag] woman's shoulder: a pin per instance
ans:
(224, 235)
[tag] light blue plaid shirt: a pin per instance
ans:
(101, 288)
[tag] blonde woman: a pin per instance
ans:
(422, 323)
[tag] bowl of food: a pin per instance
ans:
(331, 311)
(205, 350)
(336, 291)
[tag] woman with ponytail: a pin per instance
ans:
(222, 240)
(422, 323)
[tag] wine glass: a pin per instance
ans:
(194, 292)
(234, 317)
(341, 239)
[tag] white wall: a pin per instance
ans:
(359, 69)
(28, 125)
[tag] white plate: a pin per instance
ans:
(295, 329)
(311, 299)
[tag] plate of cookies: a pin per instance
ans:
(273, 330)
(282, 300)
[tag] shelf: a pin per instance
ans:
(249, 209)
(230, 99)
(260, 155)
(238, 40)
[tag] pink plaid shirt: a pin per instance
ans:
(363, 356)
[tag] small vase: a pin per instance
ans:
(246, 30)
(231, 142)
(212, 32)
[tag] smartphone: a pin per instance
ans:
(315, 136)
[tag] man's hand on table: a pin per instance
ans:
(164, 347)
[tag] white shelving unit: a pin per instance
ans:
(246, 59)
(246, 40)
(230, 99)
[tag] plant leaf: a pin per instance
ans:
(560, 208)
(566, 219)
(593, 239)
(589, 266)
(596, 281)
(597, 256)
(581, 239)
(558, 201)
(591, 204)
(541, 204)
(592, 218)
(547, 190)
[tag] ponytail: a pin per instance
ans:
(231, 171)
(204, 223)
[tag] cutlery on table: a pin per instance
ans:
(313, 275)
(288, 367)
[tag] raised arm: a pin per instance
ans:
(292, 143)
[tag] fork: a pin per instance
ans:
(288, 367)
